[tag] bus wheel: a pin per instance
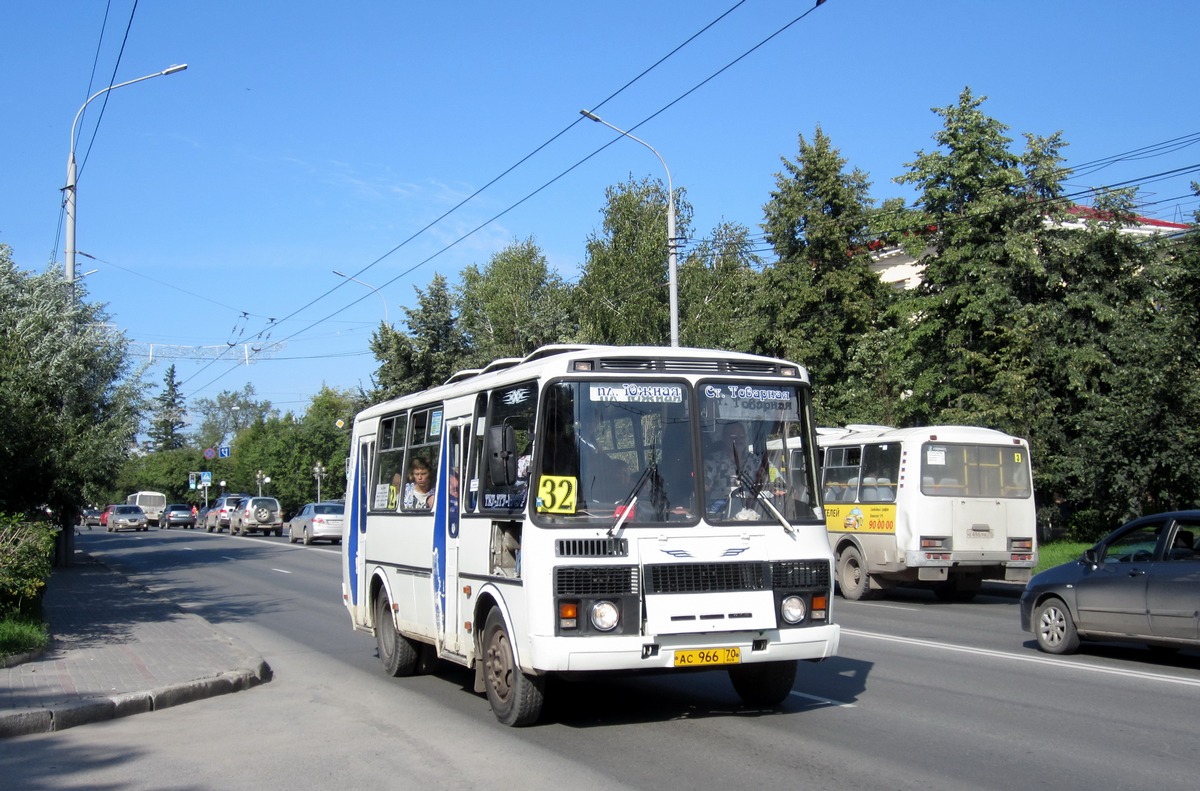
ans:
(515, 698)
(1054, 627)
(764, 683)
(852, 576)
(397, 652)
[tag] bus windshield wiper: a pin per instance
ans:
(756, 492)
(630, 500)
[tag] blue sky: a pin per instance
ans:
(310, 136)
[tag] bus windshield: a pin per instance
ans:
(628, 451)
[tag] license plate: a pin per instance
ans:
(701, 657)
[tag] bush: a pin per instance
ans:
(1089, 526)
(26, 553)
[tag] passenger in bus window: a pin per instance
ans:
(732, 465)
(419, 491)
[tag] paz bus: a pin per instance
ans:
(942, 506)
(579, 510)
(152, 503)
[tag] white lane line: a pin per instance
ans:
(1037, 660)
(281, 571)
(884, 606)
(825, 701)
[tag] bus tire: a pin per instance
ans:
(852, 577)
(763, 683)
(397, 653)
(1054, 628)
(515, 698)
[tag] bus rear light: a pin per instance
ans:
(934, 543)
(1022, 557)
(937, 555)
(1020, 545)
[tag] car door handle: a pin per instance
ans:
(1136, 572)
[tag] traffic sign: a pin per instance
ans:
(224, 452)
(210, 453)
(206, 478)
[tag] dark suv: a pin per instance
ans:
(219, 515)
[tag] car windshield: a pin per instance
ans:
(128, 509)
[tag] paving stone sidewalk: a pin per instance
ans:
(117, 649)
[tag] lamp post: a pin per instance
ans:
(69, 274)
(671, 262)
(261, 479)
(318, 473)
(386, 320)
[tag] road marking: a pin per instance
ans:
(884, 606)
(281, 571)
(1058, 662)
(826, 701)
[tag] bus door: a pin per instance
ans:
(359, 489)
(446, 521)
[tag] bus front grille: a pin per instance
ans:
(733, 577)
(592, 547)
(595, 580)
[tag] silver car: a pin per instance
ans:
(1139, 584)
(126, 517)
(256, 515)
(317, 522)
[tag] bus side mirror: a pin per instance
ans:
(502, 455)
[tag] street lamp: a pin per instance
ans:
(318, 473)
(386, 320)
(671, 263)
(69, 274)
(261, 479)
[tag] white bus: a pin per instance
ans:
(582, 536)
(152, 503)
(946, 506)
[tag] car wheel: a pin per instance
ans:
(1054, 628)
(852, 577)
(262, 514)
(515, 698)
(291, 535)
(278, 532)
(763, 683)
(307, 536)
(397, 652)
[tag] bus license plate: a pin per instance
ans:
(708, 656)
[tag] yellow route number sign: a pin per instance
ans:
(557, 494)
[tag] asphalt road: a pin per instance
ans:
(924, 695)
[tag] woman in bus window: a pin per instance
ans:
(418, 492)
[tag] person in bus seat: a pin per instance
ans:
(419, 491)
(731, 465)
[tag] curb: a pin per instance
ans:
(21, 722)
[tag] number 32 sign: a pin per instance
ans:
(556, 494)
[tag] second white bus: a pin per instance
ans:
(589, 509)
(152, 503)
(943, 506)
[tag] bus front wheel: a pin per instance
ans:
(397, 652)
(852, 576)
(764, 683)
(515, 698)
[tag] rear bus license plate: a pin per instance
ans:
(708, 656)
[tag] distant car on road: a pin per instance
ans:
(257, 515)
(90, 517)
(1139, 584)
(218, 517)
(177, 515)
(126, 517)
(317, 522)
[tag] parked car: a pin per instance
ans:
(126, 517)
(177, 514)
(317, 522)
(257, 515)
(90, 517)
(1138, 584)
(219, 514)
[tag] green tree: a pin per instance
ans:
(622, 296)
(221, 418)
(717, 283)
(427, 354)
(169, 417)
(512, 306)
(69, 400)
(820, 301)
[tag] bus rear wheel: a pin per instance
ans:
(515, 698)
(763, 683)
(852, 576)
(397, 653)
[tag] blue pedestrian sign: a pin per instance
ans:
(206, 479)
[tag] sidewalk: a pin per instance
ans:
(116, 649)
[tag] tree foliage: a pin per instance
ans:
(170, 415)
(427, 354)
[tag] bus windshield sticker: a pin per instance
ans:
(640, 393)
(556, 494)
(750, 402)
(936, 457)
(384, 496)
(435, 424)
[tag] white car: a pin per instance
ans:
(126, 517)
(317, 522)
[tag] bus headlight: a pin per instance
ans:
(791, 609)
(605, 616)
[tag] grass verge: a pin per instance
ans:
(1058, 552)
(22, 632)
